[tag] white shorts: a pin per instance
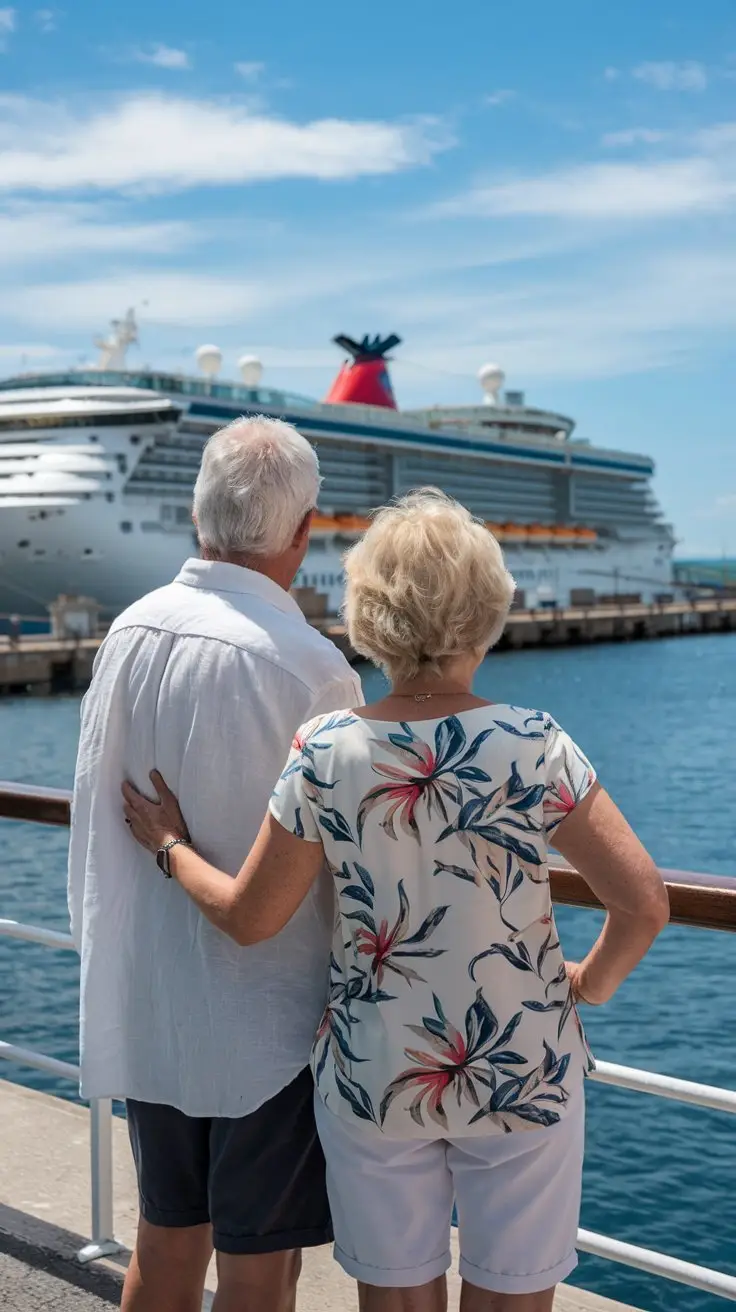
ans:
(517, 1197)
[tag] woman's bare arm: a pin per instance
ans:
(270, 887)
(597, 840)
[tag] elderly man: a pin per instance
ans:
(206, 680)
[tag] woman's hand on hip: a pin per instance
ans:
(574, 972)
(153, 824)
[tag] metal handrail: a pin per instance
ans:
(700, 900)
(102, 1243)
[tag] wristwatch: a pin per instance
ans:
(163, 860)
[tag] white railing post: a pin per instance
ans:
(100, 1141)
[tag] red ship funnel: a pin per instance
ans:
(364, 380)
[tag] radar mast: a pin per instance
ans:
(113, 349)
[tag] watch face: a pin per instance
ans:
(162, 860)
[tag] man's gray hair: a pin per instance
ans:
(258, 479)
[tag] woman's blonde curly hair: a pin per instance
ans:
(426, 581)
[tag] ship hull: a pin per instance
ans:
(82, 550)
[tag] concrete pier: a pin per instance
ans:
(46, 665)
(52, 665)
(44, 1219)
(577, 626)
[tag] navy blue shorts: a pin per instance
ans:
(258, 1179)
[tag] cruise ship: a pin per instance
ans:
(97, 467)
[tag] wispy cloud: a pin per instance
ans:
(701, 178)
(38, 233)
(46, 20)
(500, 97)
(610, 318)
(164, 57)
(161, 142)
(634, 137)
(604, 192)
(7, 26)
(174, 298)
(251, 70)
(666, 75)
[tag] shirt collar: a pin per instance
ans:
(221, 576)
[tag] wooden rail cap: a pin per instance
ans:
(703, 901)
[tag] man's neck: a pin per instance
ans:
(272, 567)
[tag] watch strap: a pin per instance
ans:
(162, 856)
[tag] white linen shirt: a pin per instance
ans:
(205, 680)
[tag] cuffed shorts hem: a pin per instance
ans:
(259, 1179)
(173, 1220)
(245, 1245)
(533, 1283)
(517, 1198)
(407, 1277)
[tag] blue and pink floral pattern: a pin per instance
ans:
(449, 1009)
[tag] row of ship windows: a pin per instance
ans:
(52, 422)
(126, 526)
(320, 580)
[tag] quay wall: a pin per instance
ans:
(576, 626)
(46, 666)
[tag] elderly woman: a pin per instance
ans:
(449, 1063)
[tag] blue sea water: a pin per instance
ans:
(658, 720)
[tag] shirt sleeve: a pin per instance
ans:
(290, 802)
(568, 776)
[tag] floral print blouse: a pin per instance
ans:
(449, 1010)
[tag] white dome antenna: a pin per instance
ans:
(251, 370)
(209, 360)
(492, 379)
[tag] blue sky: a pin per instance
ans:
(551, 187)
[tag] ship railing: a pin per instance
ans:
(699, 900)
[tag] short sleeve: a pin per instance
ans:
(289, 803)
(568, 776)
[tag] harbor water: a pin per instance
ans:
(657, 720)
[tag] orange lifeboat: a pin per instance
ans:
(351, 523)
(539, 533)
(514, 532)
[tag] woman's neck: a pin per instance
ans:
(429, 695)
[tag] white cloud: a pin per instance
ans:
(161, 142)
(251, 70)
(36, 233)
(500, 97)
(604, 191)
(163, 57)
(7, 25)
(45, 20)
(178, 298)
(611, 74)
(611, 318)
(666, 75)
(634, 137)
(700, 179)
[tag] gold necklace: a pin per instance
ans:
(425, 696)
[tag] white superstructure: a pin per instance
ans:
(97, 468)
